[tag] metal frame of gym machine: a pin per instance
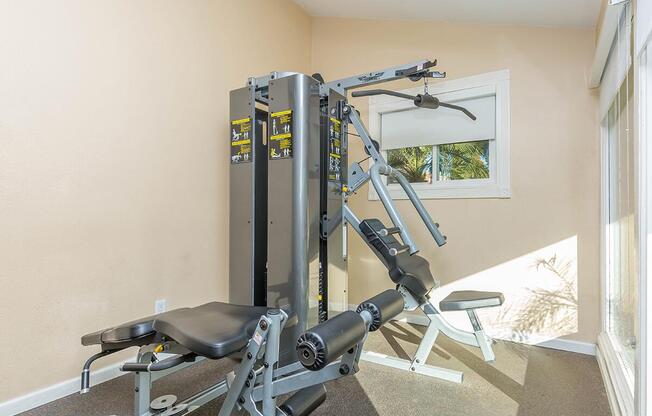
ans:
(299, 199)
(281, 197)
(327, 352)
(436, 322)
(358, 177)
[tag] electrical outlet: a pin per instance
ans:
(160, 305)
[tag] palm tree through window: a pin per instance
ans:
(454, 161)
(457, 161)
(415, 163)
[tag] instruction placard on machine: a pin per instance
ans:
(280, 139)
(241, 140)
(334, 149)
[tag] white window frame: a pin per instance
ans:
(621, 387)
(644, 346)
(498, 184)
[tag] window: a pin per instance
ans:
(621, 273)
(644, 389)
(619, 339)
(460, 161)
(442, 152)
(415, 163)
(453, 161)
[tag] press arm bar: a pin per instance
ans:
(418, 205)
(379, 167)
(375, 171)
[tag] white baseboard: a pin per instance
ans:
(618, 383)
(569, 345)
(556, 344)
(609, 388)
(48, 394)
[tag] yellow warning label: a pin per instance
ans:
(335, 149)
(242, 120)
(281, 113)
(241, 136)
(281, 136)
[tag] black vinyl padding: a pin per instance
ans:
(383, 307)
(324, 343)
(413, 272)
(212, 330)
(471, 299)
(128, 331)
(305, 401)
(409, 271)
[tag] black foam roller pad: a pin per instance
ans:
(383, 307)
(305, 401)
(328, 341)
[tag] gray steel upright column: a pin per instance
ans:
(333, 280)
(248, 200)
(293, 200)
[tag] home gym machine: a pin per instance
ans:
(410, 272)
(290, 183)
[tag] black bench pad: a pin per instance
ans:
(471, 299)
(410, 271)
(126, 332)
(212, 330)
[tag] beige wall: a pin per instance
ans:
(554, 209)
(113, 160)
(114, 163)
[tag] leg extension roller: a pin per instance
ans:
(305, 401)
(326, 352)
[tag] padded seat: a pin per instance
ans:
(409, 271)
(471, 299)
(212, 330)
(412, 272)
(126, 332)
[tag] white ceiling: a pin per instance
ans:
(522, 12)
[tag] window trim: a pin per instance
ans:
(643, 119)
(498, 185)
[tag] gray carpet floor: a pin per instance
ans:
(524, 381)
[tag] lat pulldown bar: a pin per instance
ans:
(420, 100)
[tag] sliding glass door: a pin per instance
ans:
(644, 345)
(621, 286)
(624, 347)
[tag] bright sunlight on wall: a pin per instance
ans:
(540, 291)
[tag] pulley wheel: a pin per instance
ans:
(163, 402)
(175, 410)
